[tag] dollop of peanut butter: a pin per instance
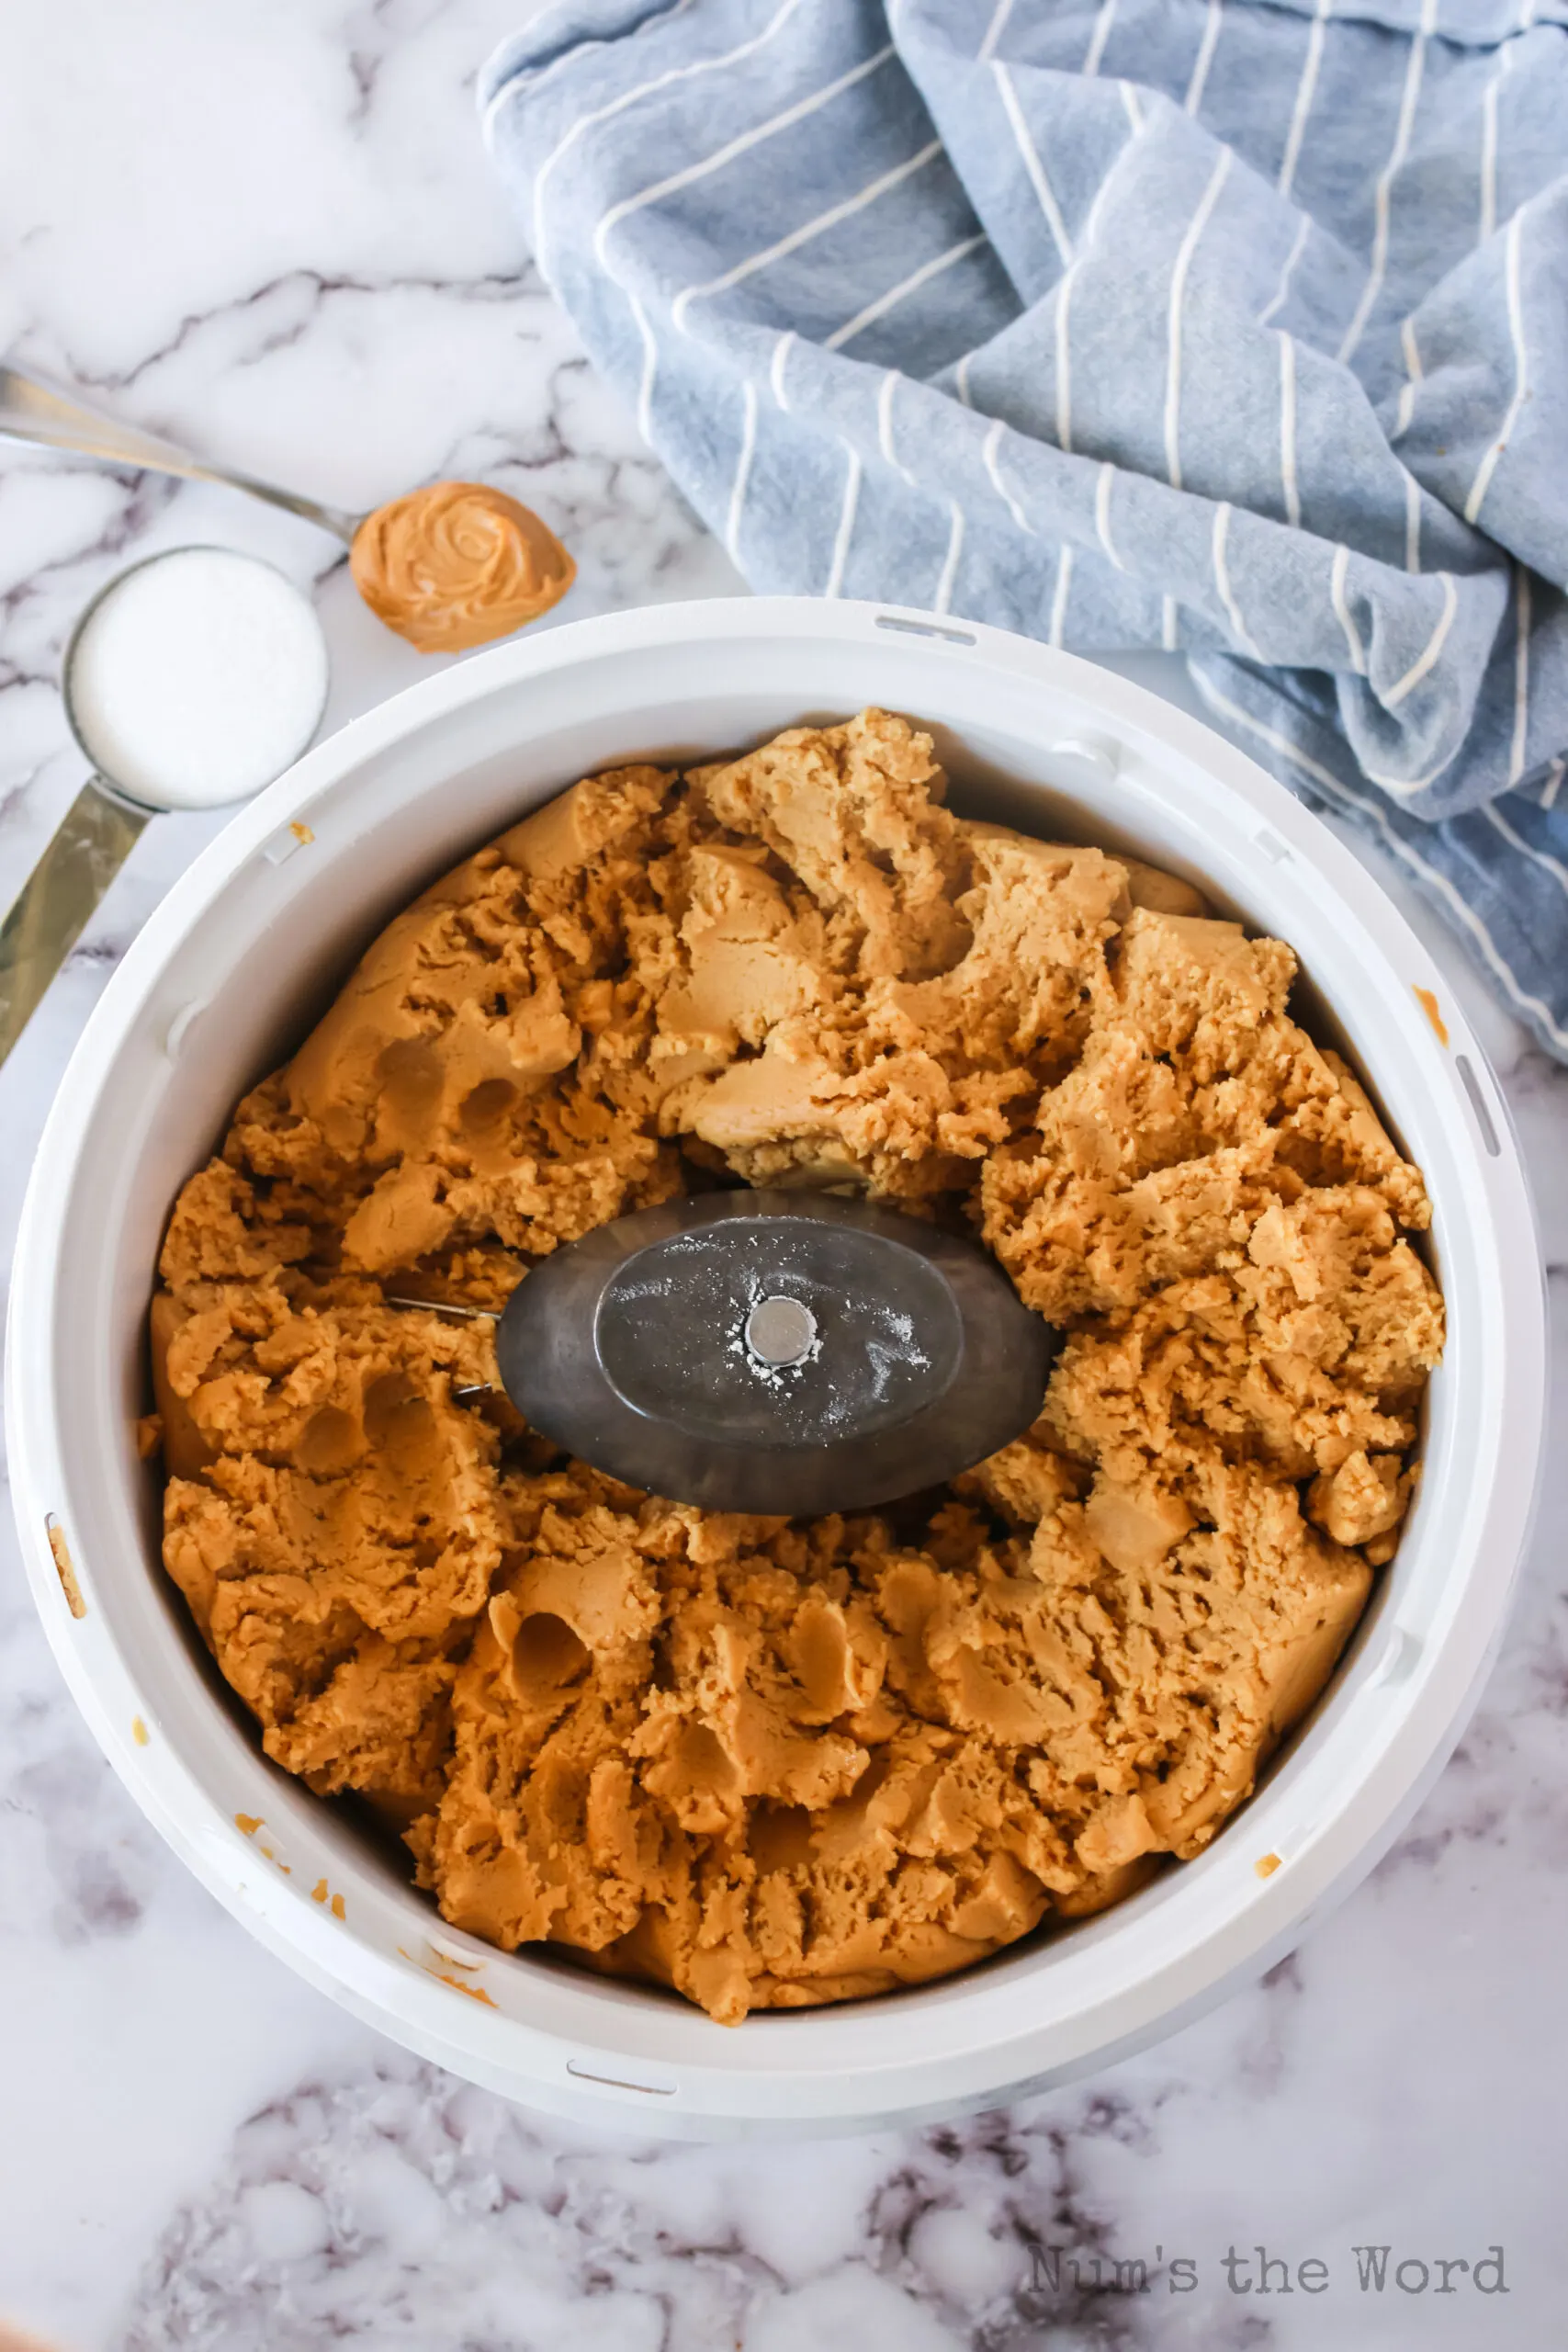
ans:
(456, 565)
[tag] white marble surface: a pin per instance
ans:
(271, 229)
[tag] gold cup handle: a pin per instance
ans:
(93, 842)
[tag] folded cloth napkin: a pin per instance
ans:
(1235, 328)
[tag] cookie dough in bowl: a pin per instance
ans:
(409, 1617)
(777, 1763)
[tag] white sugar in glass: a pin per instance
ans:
(197, 678)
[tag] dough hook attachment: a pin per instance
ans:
(773, 1352)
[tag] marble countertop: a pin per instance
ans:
(272, 233)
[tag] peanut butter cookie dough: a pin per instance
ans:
(776, 1763)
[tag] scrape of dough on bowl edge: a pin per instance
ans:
(769, 1762)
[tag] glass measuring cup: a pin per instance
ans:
(152, 716)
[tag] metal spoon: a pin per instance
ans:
(105, 820)
(515, 571)
(97, 834)
(32, 409)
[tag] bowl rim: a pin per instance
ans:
(847, 2066)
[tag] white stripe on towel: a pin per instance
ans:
(1063, 321)
(1521, 671)
(1288, 432)
(1188, 246)
(1342, 612)
(649, 370)
(1103, 489)
(894, 294)
(1413, 379)
(1541, 857)
(1223, 582)
(1098, 38)
(994, 31)
(803, 234)
(776, 367)
(1206, 47)
(1386, 177)
(742, 472)
(1297, 249)
(846, 526)
(740, 145)
(950, 566)
(533, 78)
(1270, 735)
(993, 466)
(1063, 364)
(1306, 89)
(1488, 465)
(1489, 146)
(1404, 788)
(1044, 194)
(885, 392)
(1420, 666)
(630, 98)
(1059, 601)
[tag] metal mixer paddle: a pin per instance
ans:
(778, 1351)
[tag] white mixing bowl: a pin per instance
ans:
(224, 980)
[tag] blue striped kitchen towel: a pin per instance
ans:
(1233, 327)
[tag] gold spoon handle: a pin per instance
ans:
(91, 844)
(32, 409)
